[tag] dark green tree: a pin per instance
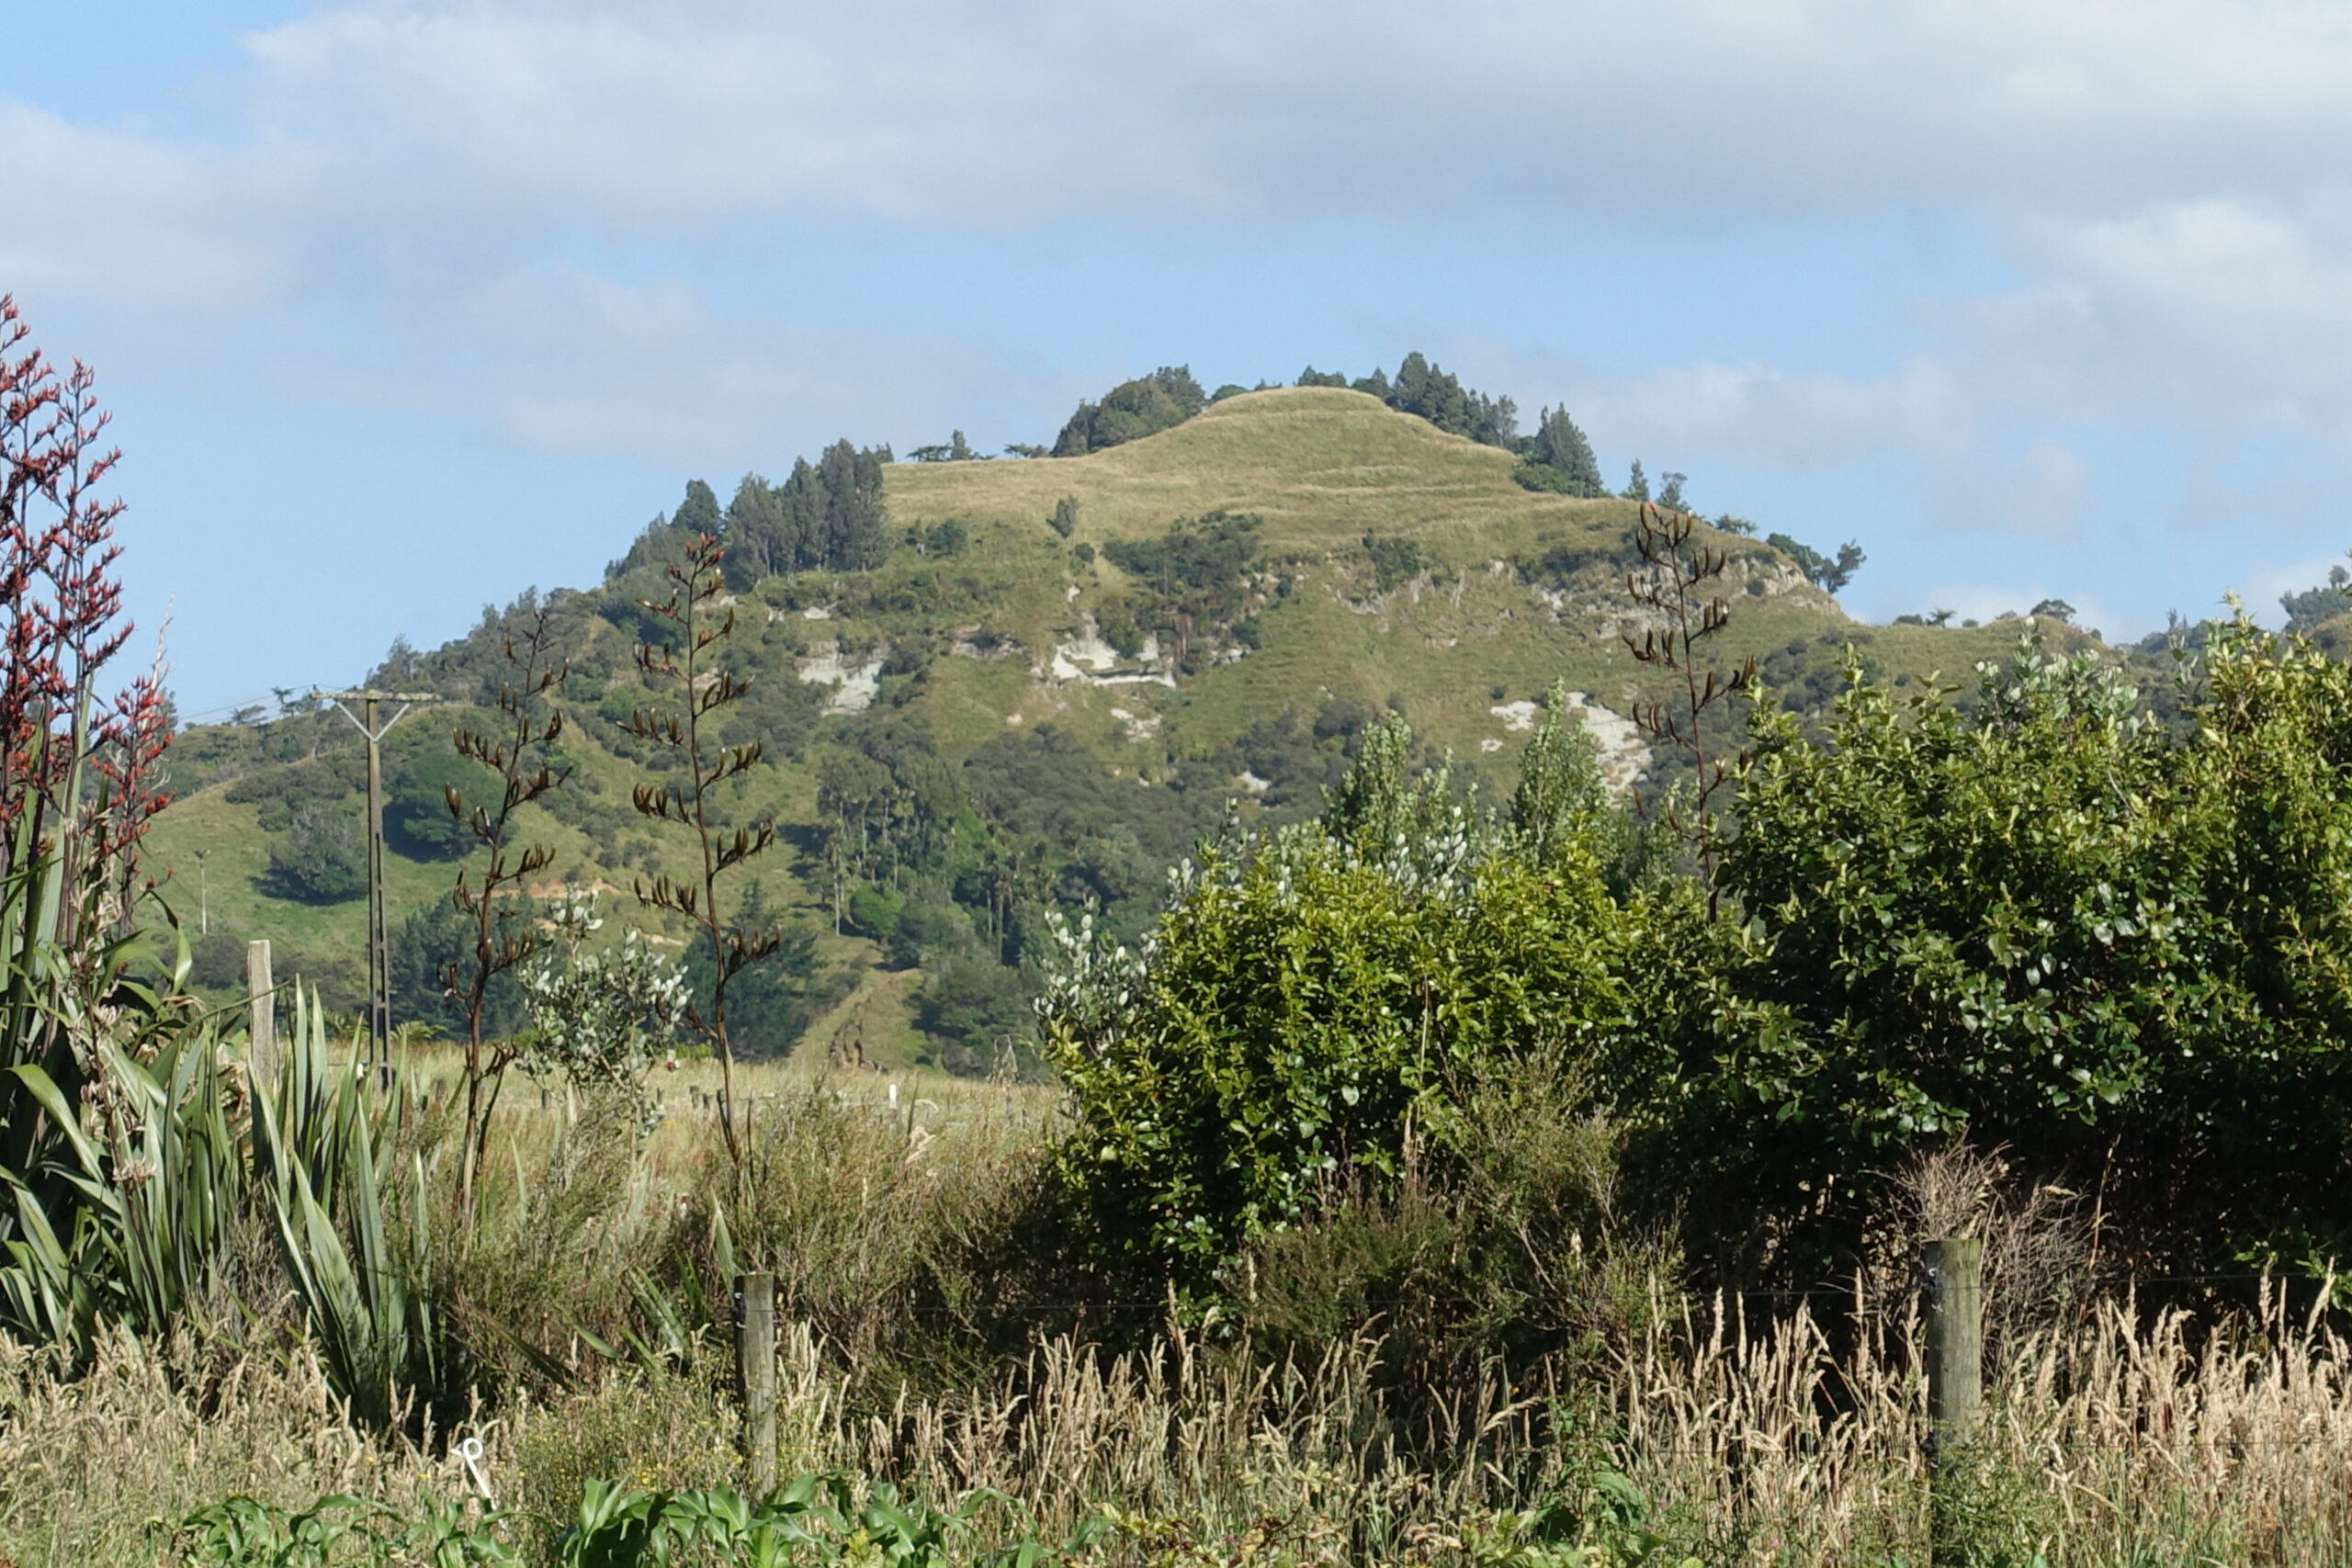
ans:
(773, 999)
(416, 812)
(321, 857)
(1131, 410)
(977, 1012)
(699, 513)
(430, 942)
(760, 538)
(1637, 484)
(1423, 389)
(856, 514)
(1559, 457)
(1828, 573)
(830, 515)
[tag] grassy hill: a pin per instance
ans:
(1040, 719)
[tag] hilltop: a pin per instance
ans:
(1049, 677)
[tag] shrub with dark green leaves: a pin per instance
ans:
(2048, 926)
(1314, 1000)
(320, 859)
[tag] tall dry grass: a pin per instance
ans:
(2131, 1440)
(2124, 1438)
(1760, 1432)
(149, 1432)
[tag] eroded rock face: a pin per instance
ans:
(854, 684)
(1624, 757)
(1087, 658)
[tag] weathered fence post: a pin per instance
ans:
(1953, 1273)
(755, 1374)
(264, 1006)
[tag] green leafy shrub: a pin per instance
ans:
(321, 858)
(1395, 562)
(2047, 925)
(242, 1532)
(1316, 999)
(416, 806)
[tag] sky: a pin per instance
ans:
(403, 305)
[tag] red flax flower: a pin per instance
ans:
(78, 774)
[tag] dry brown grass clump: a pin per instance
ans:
(2124, 1440)
(145, 1434)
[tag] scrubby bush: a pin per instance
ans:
(2048, 925)
(1316, 1002)
(321, 858)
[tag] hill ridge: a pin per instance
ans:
(996, 720)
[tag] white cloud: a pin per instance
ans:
(391, 203)
(1035, 110)
(118, 217)
(1685, 114)
(1751, 413)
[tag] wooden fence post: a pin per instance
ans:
(755, 1375)
(263, 1032)
(1953, 1271)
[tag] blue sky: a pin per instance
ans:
(404, 305)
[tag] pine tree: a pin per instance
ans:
(857, 517)
(804, 527)
(1637, 487)
(1560, 445)
(698, 514)
(759, 541)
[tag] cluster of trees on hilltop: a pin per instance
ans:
(1131, 410)
(1831, 573)
(2315, 607)
(1421, 387)
(830, 515)
(1557, 456)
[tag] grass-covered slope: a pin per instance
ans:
(1042, 720)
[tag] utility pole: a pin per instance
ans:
(379, 942)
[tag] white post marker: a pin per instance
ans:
(470, 1450)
